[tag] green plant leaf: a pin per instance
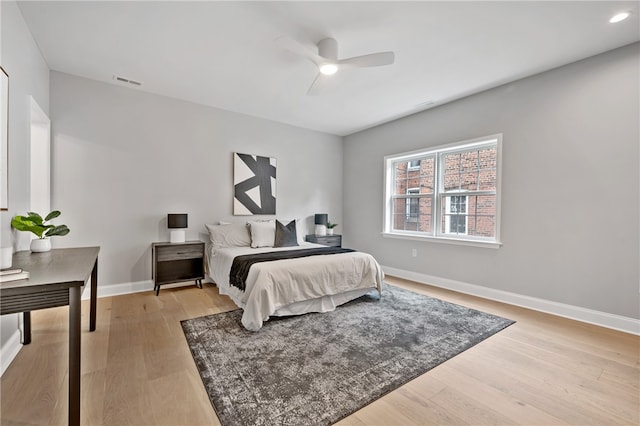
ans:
(35, 217)
(22, 223)
(58, 230)
(25, 223)
(52, 215)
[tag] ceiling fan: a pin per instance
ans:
(326, 59)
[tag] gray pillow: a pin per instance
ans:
(286, 235)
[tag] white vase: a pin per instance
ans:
(40, 245)
(329, 231)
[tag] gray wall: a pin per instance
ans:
(570, 192)
(123, 159)
(28, 76)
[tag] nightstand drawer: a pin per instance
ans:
(181, 251)
(327, 240)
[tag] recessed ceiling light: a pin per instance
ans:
(619, 17)
(328, 69)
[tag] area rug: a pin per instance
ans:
(316, 369)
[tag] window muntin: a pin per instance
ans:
(448, 192)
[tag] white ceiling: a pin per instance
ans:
(223, 54)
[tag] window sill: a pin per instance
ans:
(443, 240)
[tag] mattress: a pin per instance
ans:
(294, 286)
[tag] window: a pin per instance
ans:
(448, 193)
(413, 205)
(413, 164)
(455, 215)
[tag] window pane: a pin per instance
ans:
(454, 215)
(412, 214)
(471, 170)
(469, 215)
(413, 164)
(451, 171)
(417, 173)
(469, 161)
(488, 158)
(487, 180)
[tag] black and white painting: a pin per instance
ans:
(254, 181)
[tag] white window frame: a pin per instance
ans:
(436, 235)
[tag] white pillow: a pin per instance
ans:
(231, 235)
(263, 233)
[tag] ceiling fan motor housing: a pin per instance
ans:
(328, 48)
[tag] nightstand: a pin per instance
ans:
(327, 240)
(177, 262)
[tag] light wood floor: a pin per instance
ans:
(137, 370)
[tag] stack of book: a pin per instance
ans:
(13, 274)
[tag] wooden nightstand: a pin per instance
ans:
(177, 262)
(327, 240)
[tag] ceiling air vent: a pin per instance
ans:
(126, 80)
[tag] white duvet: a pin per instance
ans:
(294, 286)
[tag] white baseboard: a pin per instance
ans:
(603, 319)
(118, 289)
(9, 351)
(11, 348)
(129, 288)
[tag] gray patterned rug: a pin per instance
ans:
(316, 369)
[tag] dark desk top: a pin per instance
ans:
(61, 267)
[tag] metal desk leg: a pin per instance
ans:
(74, 355)
(26, 323)
(94, 297)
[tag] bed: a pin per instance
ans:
(293, 286)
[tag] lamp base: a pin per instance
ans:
(321, 230)
(177, 236)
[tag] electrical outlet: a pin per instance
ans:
(414, 252)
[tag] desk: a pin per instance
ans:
(56, 278)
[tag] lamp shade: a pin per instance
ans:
(177, 220)
(321, 218)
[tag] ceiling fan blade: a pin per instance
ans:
(318, 83)
(371, 60)
(298, 48)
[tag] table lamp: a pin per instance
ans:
(177, 222)
(321, 220)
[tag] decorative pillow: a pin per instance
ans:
(231, 235)
(300, 228)
(263, 233)
(286, 236)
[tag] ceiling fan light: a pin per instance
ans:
(328, 69)
(619, 17)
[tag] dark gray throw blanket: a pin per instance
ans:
(241, 264)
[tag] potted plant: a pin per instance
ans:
(330, 227)
(33, 222)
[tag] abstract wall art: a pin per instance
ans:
(254, 181)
